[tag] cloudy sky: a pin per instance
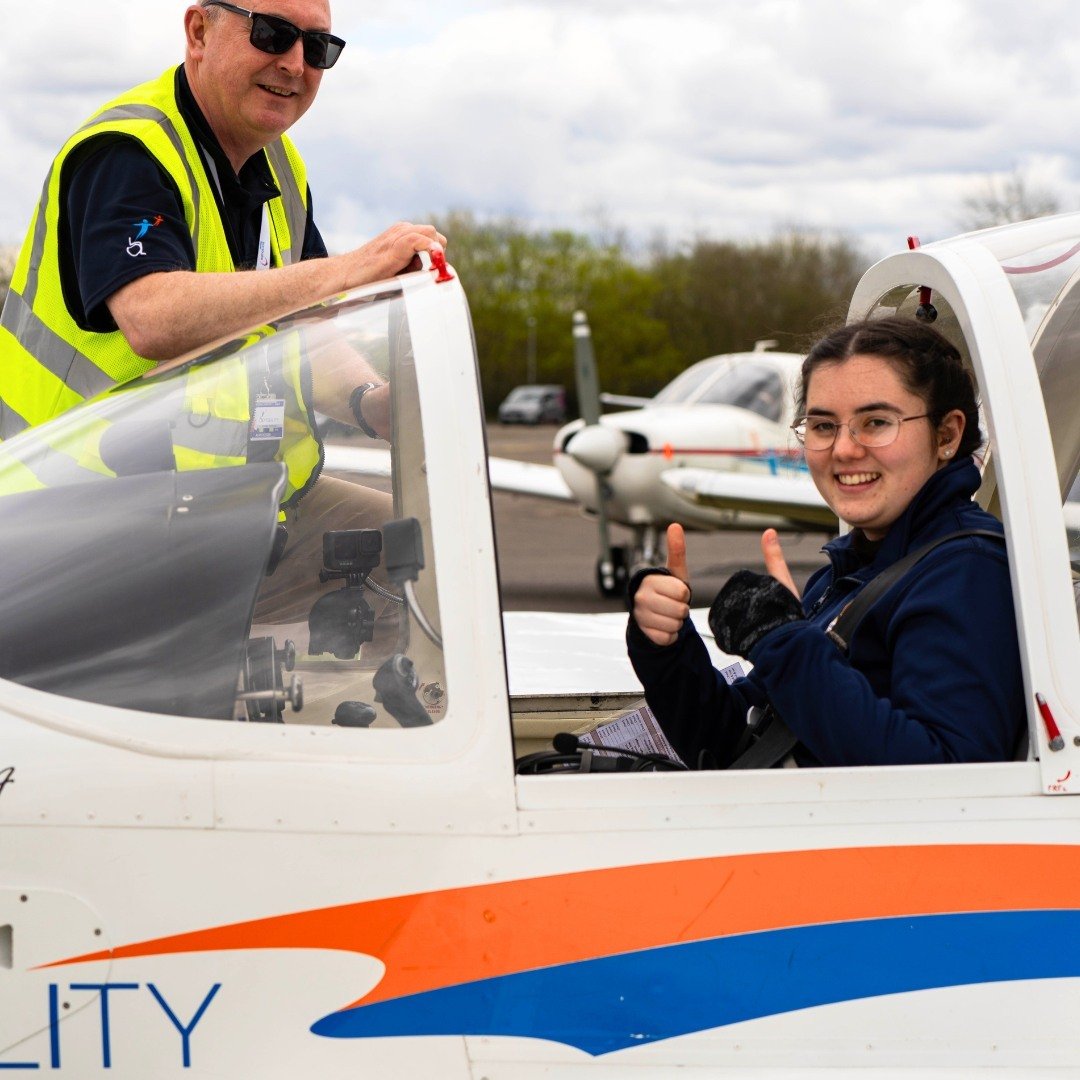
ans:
(680, 118)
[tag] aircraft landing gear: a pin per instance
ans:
(611, 580)
(645, 551)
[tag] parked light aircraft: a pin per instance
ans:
(203, 875)
(713, 450)
(656, 463)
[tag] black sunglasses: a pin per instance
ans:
(269, 34)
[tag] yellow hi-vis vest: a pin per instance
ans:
(47, 362)
(220, 397)
(207, 406)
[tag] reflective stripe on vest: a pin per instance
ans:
(207, 408)
(287, 239)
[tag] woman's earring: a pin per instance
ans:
(946, 453)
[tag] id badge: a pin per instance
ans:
(268, 421)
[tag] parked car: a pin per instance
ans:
(534, 405)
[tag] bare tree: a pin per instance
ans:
(1003, 199)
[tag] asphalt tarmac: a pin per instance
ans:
(548, 551)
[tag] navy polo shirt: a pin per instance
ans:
(125, 218)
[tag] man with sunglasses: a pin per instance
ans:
(154, 203)
(149, 210)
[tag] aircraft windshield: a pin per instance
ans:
(749, 386)
(684, 387)
(717, 381)
(189, 543)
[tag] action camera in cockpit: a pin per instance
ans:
(342, 621)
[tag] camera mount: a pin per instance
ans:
(340, 622)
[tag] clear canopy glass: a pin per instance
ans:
(221, 539)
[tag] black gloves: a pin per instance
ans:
(747, 608)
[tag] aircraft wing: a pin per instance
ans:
(528, 478)
(518, 477)
(365, 460)
(577, 653)
(788, 496)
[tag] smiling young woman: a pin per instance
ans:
(866, 462)
(889, 420)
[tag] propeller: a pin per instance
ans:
(597, 448)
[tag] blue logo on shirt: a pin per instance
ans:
(135, 248)
(145, 226)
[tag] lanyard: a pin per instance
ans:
(262, 259)
(262, 262)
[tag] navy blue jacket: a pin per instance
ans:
(934, 668)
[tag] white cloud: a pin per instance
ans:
(684, 116)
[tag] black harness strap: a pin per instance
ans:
(853, 613)
(771, 740)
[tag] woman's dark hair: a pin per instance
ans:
(926, 362)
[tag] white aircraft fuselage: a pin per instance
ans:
(205, 873)
(659, 438)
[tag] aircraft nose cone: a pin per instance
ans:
(597, 447)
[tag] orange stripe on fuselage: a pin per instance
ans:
(452, 936)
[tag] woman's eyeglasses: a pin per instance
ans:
(870, 429)
(269, 34)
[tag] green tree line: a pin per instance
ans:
(651, 316)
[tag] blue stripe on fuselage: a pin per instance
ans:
(620, 1001)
